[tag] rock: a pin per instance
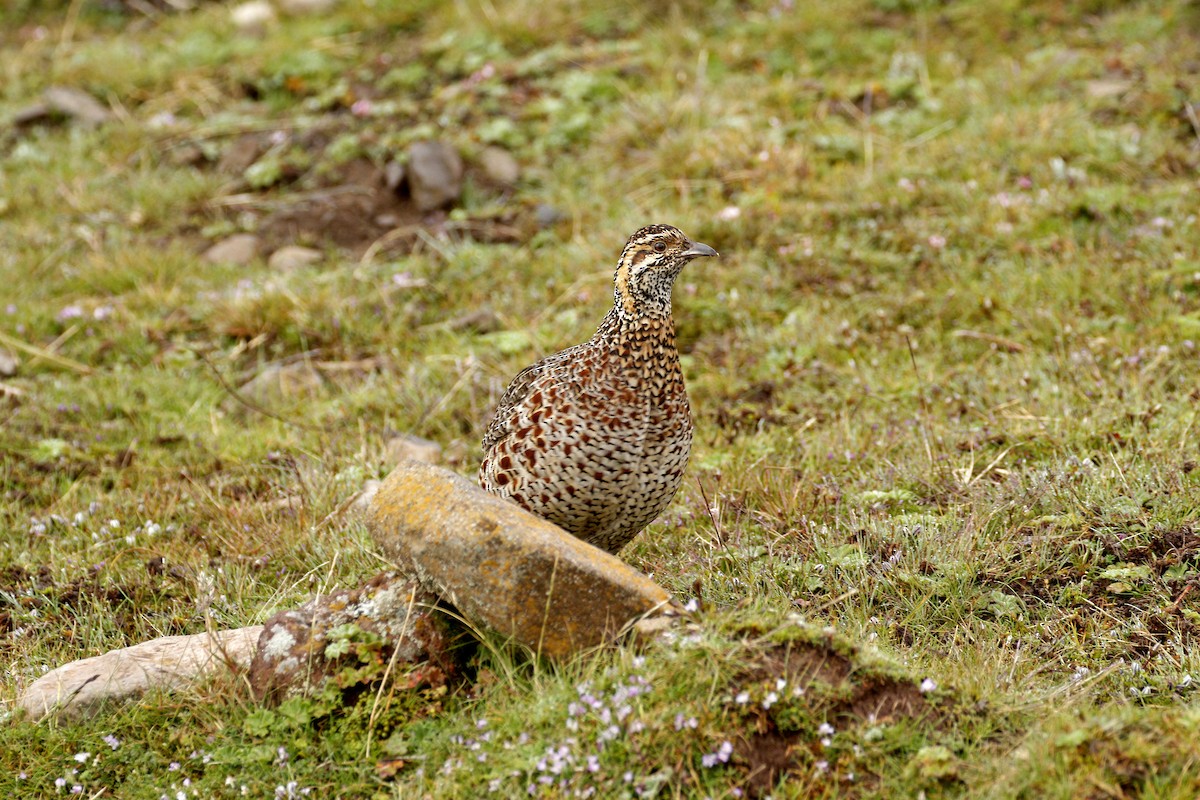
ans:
(282, 381)
(297, 7)
(291, 656)
(240, 154)
(435, 173)
(499, 165)
(412, 448)
(546, 215)
(393, 175)
(37, 112)
(8, 364)
(253, 18)
(481, 320)
(503, 567)
(293, 257)
(187, 154)
(239, 249)
(64, 101)
(362, 501)
(171, 662)
(1105, 88)
(76, 104)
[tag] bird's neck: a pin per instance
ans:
(639, 333)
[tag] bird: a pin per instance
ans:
(596, 438)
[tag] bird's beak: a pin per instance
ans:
(700, 249)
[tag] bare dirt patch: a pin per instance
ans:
(844, 693)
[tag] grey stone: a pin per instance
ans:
(171, 662)
(435, 172)
(253, 18)
(361, 501)
(393, 175)
(8, 364)
(546, 215)
(407, 447)
(499, 165)
(239, 249)
(240, 154)
(76, 104)
(505, 568)
(293, 257)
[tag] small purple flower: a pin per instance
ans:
(70, 312)
(112, 741)
(681, 722)
(928, 685)
(719, 756)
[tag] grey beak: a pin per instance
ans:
(700, 249)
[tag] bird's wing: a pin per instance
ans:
(525, 384)
(518, 390)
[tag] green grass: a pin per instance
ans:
(944, 375)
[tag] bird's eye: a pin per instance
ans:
(660, 247)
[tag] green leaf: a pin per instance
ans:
(1126, 572)
(508, 342)
(48, 450)
(258, 723)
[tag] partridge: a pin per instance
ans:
(596, 438)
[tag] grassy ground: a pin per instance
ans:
(945, 378)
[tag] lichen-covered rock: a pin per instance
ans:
(502, 566)
(294, 653)
(169, 662)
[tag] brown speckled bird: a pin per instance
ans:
(596, 438)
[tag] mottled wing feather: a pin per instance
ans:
(518, 390)
(521, 387)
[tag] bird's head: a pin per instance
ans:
(649, 264)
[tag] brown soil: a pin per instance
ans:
(863, 697)
(354, 208)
